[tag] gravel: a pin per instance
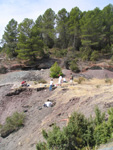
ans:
(100, 74)
(18, 76)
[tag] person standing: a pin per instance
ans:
(51, 85)
(71, 77)
(60, 80)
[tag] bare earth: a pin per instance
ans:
(68, 98)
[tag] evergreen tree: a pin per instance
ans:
(10, 38)
(80, 30)
(101, 133)
(91, 24)
(80, 132)
(74, 27)
(100, 117)
(107, 29)
(30, 45)
(48, 27)
(39, 25)
(62, 28)
(55, 70)
(110, 119)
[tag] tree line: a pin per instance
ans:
(72, 34)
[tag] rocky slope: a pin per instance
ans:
(68, 98)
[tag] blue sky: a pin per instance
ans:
(21, 9)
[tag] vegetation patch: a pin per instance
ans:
(12, 123)
(80, 80)
(3, 69)
(108, 80)
(80, 132)
(41, 81)
(55, 70)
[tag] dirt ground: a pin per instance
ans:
(68, 98)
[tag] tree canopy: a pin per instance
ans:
(84, 32)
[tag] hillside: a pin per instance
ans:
(68, 98)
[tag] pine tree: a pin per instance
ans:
(30, 45)
(55, 70)
(10, 38)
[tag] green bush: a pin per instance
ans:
(60, 53)
(41, 146)
(108, 80)
(80, 80)
(94, 56)
(86, 53)
(85, 57)
(35, 82)
(55, 70)
(56, 139)
(107, 49)
(73, 66)
(76, 135)
(102, 133)
(81, 132)
(110, 119)
(12, 124)
(99, 117)
(77, 131)
(112, 58)
(42, 81)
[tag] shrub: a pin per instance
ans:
(100, 117)
(35, 82)
(94, 56)
(107, 49)
(60, 53)
(76, 131)
(73, 66)
(80, 132)
(55, 70)
(80, 80)
(110, 119)
(3, 69)
(12, 124)
(42, 81)
(108, 80)
(85, 57)
(112, 58)
(41, 146)
(73, 136)
(97, 86)
(86, 53)
(102, 133)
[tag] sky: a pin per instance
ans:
(21, 9)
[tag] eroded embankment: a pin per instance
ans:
(78, 97)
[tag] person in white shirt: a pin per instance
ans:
(60, 80)
(64, 80)
(51, 85)
(48, 103)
